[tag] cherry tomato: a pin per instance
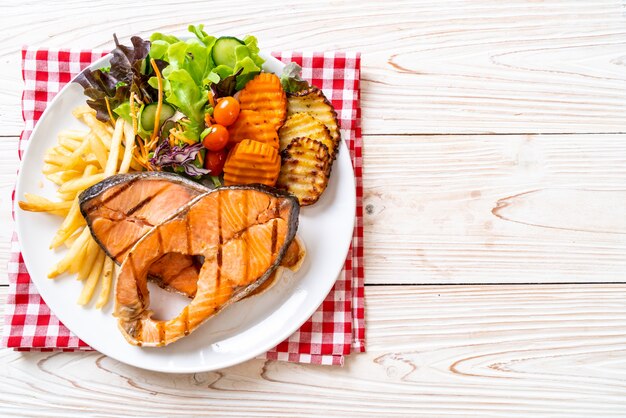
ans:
(226, 111)
(214, 161)
(216, 138)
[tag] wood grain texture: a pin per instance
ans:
(445, 351)
(428, 67)
(495, 208)
(439, 209)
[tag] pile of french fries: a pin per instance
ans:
(79, 160)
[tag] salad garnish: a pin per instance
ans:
(167, 88)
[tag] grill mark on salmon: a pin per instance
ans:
(123, 250)
(115, 193)
(250, 240)
(188, 235)
(144, 202)
(274, 238)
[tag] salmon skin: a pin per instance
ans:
(121, 209)
(242, 233)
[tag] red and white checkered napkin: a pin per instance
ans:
(336, 329)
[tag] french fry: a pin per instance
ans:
(71, 223)
(60, 212)
(129, 145)
(72, 239)
(60, 150)
(61, 177)
(77, 159)
(78, 258)
(107, 279)
(98, 128)
(72, 134)
(36, 203)
(92, 280)
(49, 168)
(67, 197)
(111, 166)
(71, 194)
(99, 150)
(63, 265)
(69, 143)
(89, 170)
(60, 160)
(81, 183)
(80, 111)
(90, 258)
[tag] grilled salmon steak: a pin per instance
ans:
(122, 209)
(241, 232)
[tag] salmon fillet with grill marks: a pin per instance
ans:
(122, 209)
(242, 233)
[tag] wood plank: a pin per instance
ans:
(428, 67)
(446, 351)
(495, 209)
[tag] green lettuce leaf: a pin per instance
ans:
(189, 98)
(291, 78)
(192, 72)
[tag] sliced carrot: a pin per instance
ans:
(252, 162)
(265, 94)
(251, 125)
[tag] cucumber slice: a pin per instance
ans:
(149, 112)
(225, 51)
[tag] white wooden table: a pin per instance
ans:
(495, 185)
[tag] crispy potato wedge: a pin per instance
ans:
(253, 125)
(304, 125)
(265, 94)
(305, 170)
(313, 102)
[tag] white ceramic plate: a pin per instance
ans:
(244, 330)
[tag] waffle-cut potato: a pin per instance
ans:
(304, 125)
(305, 170)
(252, 125)
(265, 94)
(313, 102)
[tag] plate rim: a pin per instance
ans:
(235, 359)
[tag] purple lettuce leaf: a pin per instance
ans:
(175, 156)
